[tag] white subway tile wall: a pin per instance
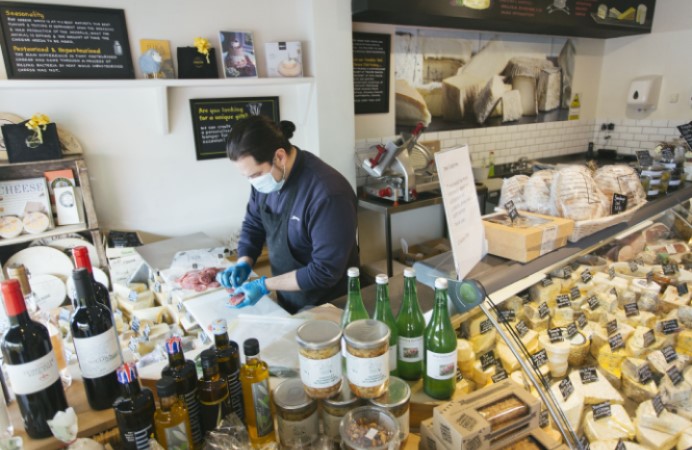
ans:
(540, 140)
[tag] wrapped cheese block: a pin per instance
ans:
(666, 422)
(533, 318)
(410, 105)
(617, 426)
(620, 179)
(513, 189)
(576, 196)
(537, 193)
(671, 300)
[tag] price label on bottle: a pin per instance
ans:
(586, 276)
(555, 335)
(539, 359)
(593, 302)
(581, 321)
(511, 210)
(575, 293)
(649, 338)
(488, 360)
(545, 282)
(543, 310)
(611, 272)
(563, 301)
(588, 375)
(658, 404)
(522, 329)
(601, 410)
(645, 374)
(619, 204)
(612, 326)
(674, 375)
(669, 353)
(631, 309)
(615, 341)
(566, 388)
(682, 289)
(670, 326)
(571, 330)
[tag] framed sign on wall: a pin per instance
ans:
(213, 119)
(42, 41)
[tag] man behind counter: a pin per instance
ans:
(302, 208)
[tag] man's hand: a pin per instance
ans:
(251, 292)
(235, 275)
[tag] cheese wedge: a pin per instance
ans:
(549, 89)
(432, 94)
(684, 343)
(685, 442)
(635, 344)
(410, 105)
(489, 97)
(464, 351)
(610, 363)
(675, 395)
(655, 439)
(628, 14)
(611, 444)
(562, 317)
(573, 407)
(597, 392)
(659, 365)
(667, 422)
(539, 293)
(685, 316)
(511, 106)
(636, 391)
(617, 426)
(481, 334)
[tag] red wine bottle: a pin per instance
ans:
(96, 344)
(81, 260)
(32, 369)
(134, 410)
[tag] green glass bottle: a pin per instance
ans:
(354, 310)
(383, 313)
(440, 348)
(410, 325)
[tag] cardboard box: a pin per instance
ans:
(465, 423)
(532, 235)
(539, 438)
(428, 440)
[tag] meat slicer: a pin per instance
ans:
(400, 170)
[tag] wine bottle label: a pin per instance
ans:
(320, 373)
(136, 439)
(367, 372)
(292, 432)
(34, 376)
(193, 411)
(411, 349)
(263, 412)
(98, 355)
(441, 366)
(176, 436)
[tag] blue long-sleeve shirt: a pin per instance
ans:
(322, 225)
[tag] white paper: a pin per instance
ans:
(462, 211)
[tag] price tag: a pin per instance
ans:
(612, 326)
(460, 376)
(644, 158)
(488, 360)
(135, 324)
(682, 289)
(522, 329)
(670, 326)
(650, 277)
(575, 293)
(593, 302)
(563, 301)
(645, 374)
(511, 211)
(631, 309)
(539, 358)
(566, 388)
(507, 315)
(571, 330)
(616, 342)
(620, 445)
(674, 375)
(555, 335)
(669, 353)
(658, 404)
(133, 345)
(545, 282)
(581, 321)
(132, 296)
(543, 310)
(500, 375)
(543, 419)
(670, 269)
(611, 272)
(588, 375)
(146, 331)
(619, 204)
(601, 410)
(486, 326)
(649, 338)
(566, 272)
(586, 276)
(633, 267)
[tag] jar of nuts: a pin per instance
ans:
(335, 408)
(369, 428)
(296, 415)
(367, 360)
(396, 401)
(320, 357)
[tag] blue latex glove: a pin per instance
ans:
(235, 275)
(253, 290)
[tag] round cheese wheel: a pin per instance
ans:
(10, 226)
(36, 222)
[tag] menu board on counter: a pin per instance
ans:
(213, 119)
(64, 42)
(371, 72)
(466, 231)
(586, 18)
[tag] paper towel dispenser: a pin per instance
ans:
(644, 92)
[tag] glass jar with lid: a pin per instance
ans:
(335, 408)
(396, 400)
(296, 415)
(367, 357)
(319, 355)
(369, 428)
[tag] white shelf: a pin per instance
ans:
(161, 87)
(65, 229)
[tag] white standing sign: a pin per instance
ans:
(463, 213)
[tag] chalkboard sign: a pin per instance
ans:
(686, 132)
(213, 119)
(42, 41)
(619, 204)
(371, 72)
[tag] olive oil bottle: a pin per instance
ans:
(214, 402)
(254, 377)
(171, 420)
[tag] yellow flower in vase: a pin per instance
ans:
(203, 46)
(37, 124)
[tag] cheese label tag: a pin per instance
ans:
(650, 276)
(543, 419)
(511, 211)
(649, 338)
(682, 289)
(612, 326)
(507, 315)
(670, 326)
(522, 329)
(146, 331)
(133, 345)
(586, 276)
(571, 330)
(620, 445)
(611, 272)
(566, 388)
(601, 410)
(486, 326)
(566, 272)
(555, 335)
(543, 310)
(488, 360)
(539, 359)
(593, 302)
(631, 309)
(575, 293)
(563, 301)
(581, 321)
(674, 375)
(644, 374)
(545, 282)
(658, 404)
(588, 375)
(132, 296)
(670, 269)
(616, 342)
(500, 375)
(669, 353)
(633, 267)
(619, 204)
(135, 324)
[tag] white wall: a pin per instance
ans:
(149, 181)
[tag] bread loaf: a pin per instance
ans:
(620, 179)
(576, 196)
(513, 189)
(537, 193)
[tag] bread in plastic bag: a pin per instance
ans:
(537, 193)
(620, 179)
(513, 189)
(576, 195)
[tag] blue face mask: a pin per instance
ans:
(266, 184)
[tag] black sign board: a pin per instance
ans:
(612, 326)
(667, 155)
(488, 360)
(586, 276)
(545, 282)
(543, 310)
(686, 132)
(650, 276)
(566, 272)
(644, 373)
(682, 289)
(563, 301)
(670, 268)
(619, 204)
(614, 292)
(511, 210)
(571, 330)
(555, 335)
(601, 410)
(213, 119)
(500, 375)
(539, 358)
(507, 315)
(616, 342)
(631, 309)
(674, 375)
(644, 158)
(593, 302)
(588, 375)
(566, 388)
(575, 293)
(371, 56)
(669, 353)
(459, 376)
(658, 404)
(543, 419)
(522, 329)
(649, 338)
(486, 326)
(41, 41)
(581, 321)
(670, 326)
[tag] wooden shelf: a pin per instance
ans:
(161, 88)
(22, 238)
